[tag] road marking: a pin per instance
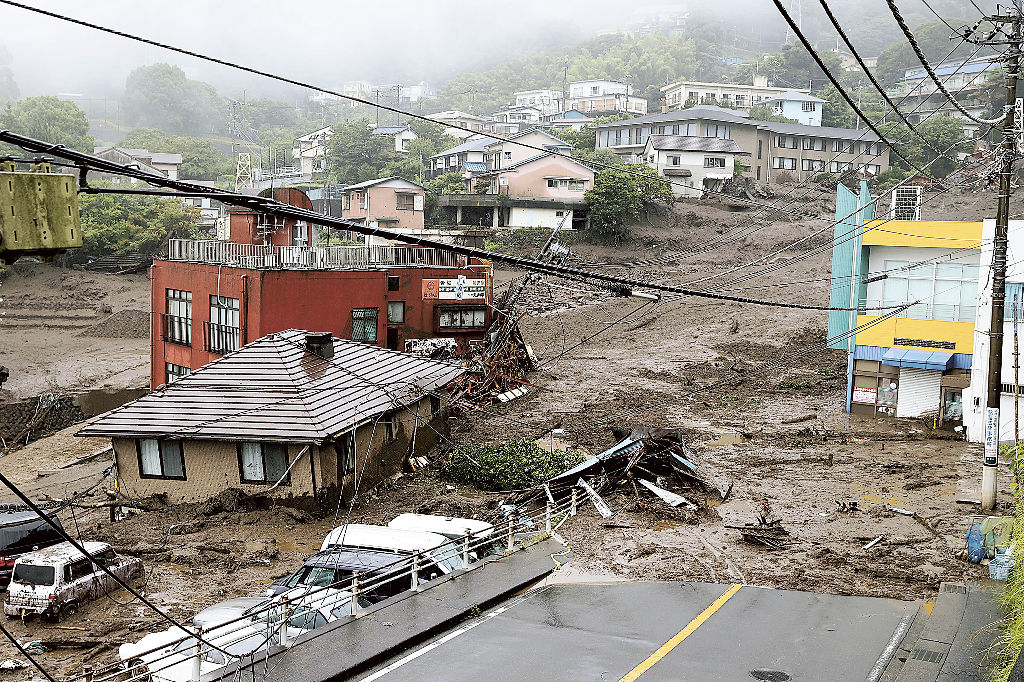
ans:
(671, 644)
(447, 638)
(897, 638)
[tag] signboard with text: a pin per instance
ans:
(458, 289)
(992, 436)
(864, 395)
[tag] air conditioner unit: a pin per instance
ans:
(906, 203)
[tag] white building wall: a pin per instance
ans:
(794, 110)
(538, 217)
(878, 255)
(975, 397)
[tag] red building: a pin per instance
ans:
(209, 297)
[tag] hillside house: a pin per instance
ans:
(459, 123)
(310, 151)
(294, 415)
(400, 135)
(799, 106)
(697, 164)
(166, 164)
(393, 203)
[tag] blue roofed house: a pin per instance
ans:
(963, 80)
(402, 136)
(466, 158)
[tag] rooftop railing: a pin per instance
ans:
(355, 257)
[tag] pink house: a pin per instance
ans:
(544, 190)
(393, 203)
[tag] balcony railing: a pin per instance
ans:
(948, 312)
(220, 338)
(258, 256)
(175, 329)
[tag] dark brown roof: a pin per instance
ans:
(273, 390)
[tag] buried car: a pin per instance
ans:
(431, 547)
(383, 574)
(55, 582)
(172, 655)
(482, 537)
(20, 532)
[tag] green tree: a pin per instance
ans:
(942, 132)
(200, 159)
(8, 87)
(355, 155)
(118, 224)
(448, 183)
(620, 198)
(51, 119)
(162, 96)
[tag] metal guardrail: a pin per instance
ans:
(259, 256)
(948, 312)
(176, 329)
(220, 338)
(281, 611)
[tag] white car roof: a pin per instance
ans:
(61, 553)
(446, 525)
(382, 537)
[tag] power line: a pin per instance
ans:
(26, 654)
(838, 86)
(912, 39)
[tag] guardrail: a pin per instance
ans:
(346, 593)
(260, 256)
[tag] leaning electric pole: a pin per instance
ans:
(1007, 154)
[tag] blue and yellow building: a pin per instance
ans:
(903, 361)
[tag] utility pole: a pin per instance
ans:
(376, 100)
(1008, 150)
(398, 103)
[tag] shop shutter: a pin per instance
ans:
(919, 392)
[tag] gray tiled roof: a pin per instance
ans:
(689, 143)
(711, 113)
(477, 145)
(819, 131)
(273, 390)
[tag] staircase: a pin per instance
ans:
(948, 639)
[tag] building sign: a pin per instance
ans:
(459, 289)
(864, 395)
(992, 436)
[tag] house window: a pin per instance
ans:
(178, 319)
(160, 458)
(345, 446)
(784, 163)
(405, 201)
(947, 291)
(552, 183)
(816, 144)
(840, 166)
(364, 325)
(868, 168)
(390, 424)
(393, 283)
(462, 317)
(396, 312)
(435, 404)
(714, 162)
(222, 329)
(842, 146)
(785, 142)
(817, 165)
(577, 185)
(348, 197)
(363, 199)
(741, 100)
(508, 156)
(674, 160)
(808, 106)
(759, 147)
(175, 372)
(719, 131)
(300, 234)
(263, 463)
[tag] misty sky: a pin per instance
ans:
(325, 42)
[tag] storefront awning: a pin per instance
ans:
(921, 359)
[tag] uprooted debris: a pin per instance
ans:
(768, 530)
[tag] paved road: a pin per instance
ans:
(661, 631)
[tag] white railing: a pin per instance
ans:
(949, 312)
(522, 531)
(258, 256)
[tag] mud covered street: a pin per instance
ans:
(749, 387)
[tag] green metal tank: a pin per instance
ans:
(38, 212)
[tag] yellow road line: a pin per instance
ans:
(671, 644)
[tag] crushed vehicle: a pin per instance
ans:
(55, 582)
(384, 573)
(23, 531)
(170, 655)
(484, 541)
(431, 546)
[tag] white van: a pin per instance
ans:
(55, 582)
(433, 547)
(454, 528)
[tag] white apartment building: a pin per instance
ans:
(683, 94)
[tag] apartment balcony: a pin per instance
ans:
(269, 257)
(220, 338)
(176, 329)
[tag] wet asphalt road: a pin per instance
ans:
(660, 631)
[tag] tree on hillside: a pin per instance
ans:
(933, 37)
(162, 96)
(355, 155)
(620, 198)
(200, 159)
(942, 132)
(51, 119)
(118, 224)
(448, 183)
(8, 88)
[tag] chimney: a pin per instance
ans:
(320, 344)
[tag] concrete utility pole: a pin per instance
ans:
(1008, 152)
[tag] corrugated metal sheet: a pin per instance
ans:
(919, 392)
(869, 353)
(273, 390)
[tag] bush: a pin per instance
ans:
(509, 465)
